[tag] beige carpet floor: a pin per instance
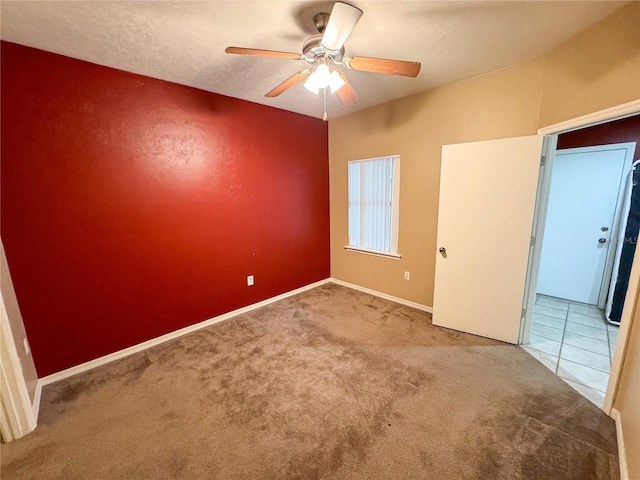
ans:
(331, 383)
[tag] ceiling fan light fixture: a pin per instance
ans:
(323, 77)
(312, 85)
(335, 82)
(320, 78)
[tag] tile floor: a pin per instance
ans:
(575, 342)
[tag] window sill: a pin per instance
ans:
(393, 256)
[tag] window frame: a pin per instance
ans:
(395, 211)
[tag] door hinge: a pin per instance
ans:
(543, 160)
(524, 313)
(532, 242)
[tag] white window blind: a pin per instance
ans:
(373, 204)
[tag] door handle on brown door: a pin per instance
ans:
(602, 240)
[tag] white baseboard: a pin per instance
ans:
(83, 367)
(622, 455)
(391, 298)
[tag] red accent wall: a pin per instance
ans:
(618, 131)
(132, 207)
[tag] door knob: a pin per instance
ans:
(442, 250)
(602, 240)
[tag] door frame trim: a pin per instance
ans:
(552, 131)
(620, 233)
(602, 116)
(17, 417)
(619, 213)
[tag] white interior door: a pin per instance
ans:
(584, 193)
(486, 206)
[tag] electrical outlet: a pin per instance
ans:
(407, 275)
(249, 280)
(26, 346)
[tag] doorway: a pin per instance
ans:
(586, 198)
(584, 220)
(487, 253)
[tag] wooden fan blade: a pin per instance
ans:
(341, 23)
(288, 83)
(262, 53)
(382, 65)
(346, 92)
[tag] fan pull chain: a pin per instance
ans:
(324, 95)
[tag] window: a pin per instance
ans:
(374, 193)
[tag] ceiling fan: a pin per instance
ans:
(325, 50)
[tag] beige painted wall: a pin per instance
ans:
(627, 400)
(499, 105)
(597, 69)
(17, 325)
(594, 70)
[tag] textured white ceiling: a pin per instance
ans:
(184, 42)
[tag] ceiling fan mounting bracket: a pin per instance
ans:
(321, 20)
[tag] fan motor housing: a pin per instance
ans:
(312, 49)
